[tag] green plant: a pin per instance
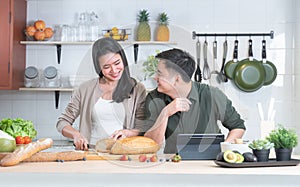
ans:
(150, 65)
(283, 138)
(261, 144)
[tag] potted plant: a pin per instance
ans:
(150, 68)
(261, 149)
(284, 141)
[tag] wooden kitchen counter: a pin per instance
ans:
(134, 173)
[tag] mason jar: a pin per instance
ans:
(31, 77)
(51, 77)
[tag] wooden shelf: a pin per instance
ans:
(90, 43)
(47, 89)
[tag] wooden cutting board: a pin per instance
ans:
(72, 156)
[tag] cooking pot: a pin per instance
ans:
(270, 68)
(230, 65)
(249, 74)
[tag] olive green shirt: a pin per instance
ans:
(209, 104)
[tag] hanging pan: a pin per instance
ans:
(249, 74)
(270, 68)
(230, 65)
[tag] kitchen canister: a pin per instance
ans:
(31, 77)
(51, 77)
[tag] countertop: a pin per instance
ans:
(134, 173)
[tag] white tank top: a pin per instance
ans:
(107, 117)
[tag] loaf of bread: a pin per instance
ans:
(26, 151)
(56, 156)
(104, 145)
(135, 145)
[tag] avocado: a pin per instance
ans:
(235, 151)
(240, 158)
(229, 156)
(249, 157)
(220, 156)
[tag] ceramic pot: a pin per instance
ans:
(283, 154)
(262, 155)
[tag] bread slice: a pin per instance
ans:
(104, 145)
(135, 145)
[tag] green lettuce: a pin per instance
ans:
(18, 127)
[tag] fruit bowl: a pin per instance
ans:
(117, 34)
(38, 31)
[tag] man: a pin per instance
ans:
(179, 105)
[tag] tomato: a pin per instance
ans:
(27, 140)
(20, 140)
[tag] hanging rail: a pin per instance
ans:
(271, 34)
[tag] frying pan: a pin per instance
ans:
(270, 68)
(230, 65)
(198, 76)
(249, 74)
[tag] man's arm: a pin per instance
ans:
(233, 134)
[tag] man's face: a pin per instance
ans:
(165, 78)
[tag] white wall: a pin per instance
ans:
(211, 16)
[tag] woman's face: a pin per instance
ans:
(112, 66)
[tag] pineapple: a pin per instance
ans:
(143, 30)
(163, 33)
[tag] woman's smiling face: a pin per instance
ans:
(112, 66)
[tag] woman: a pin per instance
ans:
(109, 106)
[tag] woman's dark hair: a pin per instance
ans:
(180, 61)
(126, 84)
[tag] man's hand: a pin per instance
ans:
(178, 105)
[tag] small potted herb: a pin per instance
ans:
(150, 68)
(261, 149)
(284, 141)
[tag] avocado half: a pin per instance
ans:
(230, 156)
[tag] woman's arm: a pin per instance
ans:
(79, 141)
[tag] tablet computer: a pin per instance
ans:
(199, 146)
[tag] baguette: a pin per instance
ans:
(104, 145)
(25, 152)
(57, 156)
(135, 145)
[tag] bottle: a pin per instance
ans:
(31, 77)
(82, 27)
(95, 30)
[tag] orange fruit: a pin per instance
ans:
(39, 35)
(48, 32)
(30, 30)
(40, 25)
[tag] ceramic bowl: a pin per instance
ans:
(242, 148)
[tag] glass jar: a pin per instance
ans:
(31, 77)
(51, 78)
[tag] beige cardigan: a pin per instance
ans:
(84, 98)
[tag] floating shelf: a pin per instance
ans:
(59, 44)
(56, 92)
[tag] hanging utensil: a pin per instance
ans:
(214, 80)
(249, 74)
(270, 68)
(198, 76)
(230, 65)
(222, 77)
(206, 70)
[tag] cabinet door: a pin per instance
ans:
(4, 42)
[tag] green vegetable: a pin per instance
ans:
(18, 127)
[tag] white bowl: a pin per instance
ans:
(242, 148)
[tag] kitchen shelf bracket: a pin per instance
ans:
(58, 50)
(194, 34)
(57, 93)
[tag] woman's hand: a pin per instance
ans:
(120, 134)
(80, 142)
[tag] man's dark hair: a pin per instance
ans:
(180, 61)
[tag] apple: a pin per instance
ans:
(124, 158)
(153, 158)
(142, 158)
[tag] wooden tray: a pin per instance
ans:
(270, 163)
